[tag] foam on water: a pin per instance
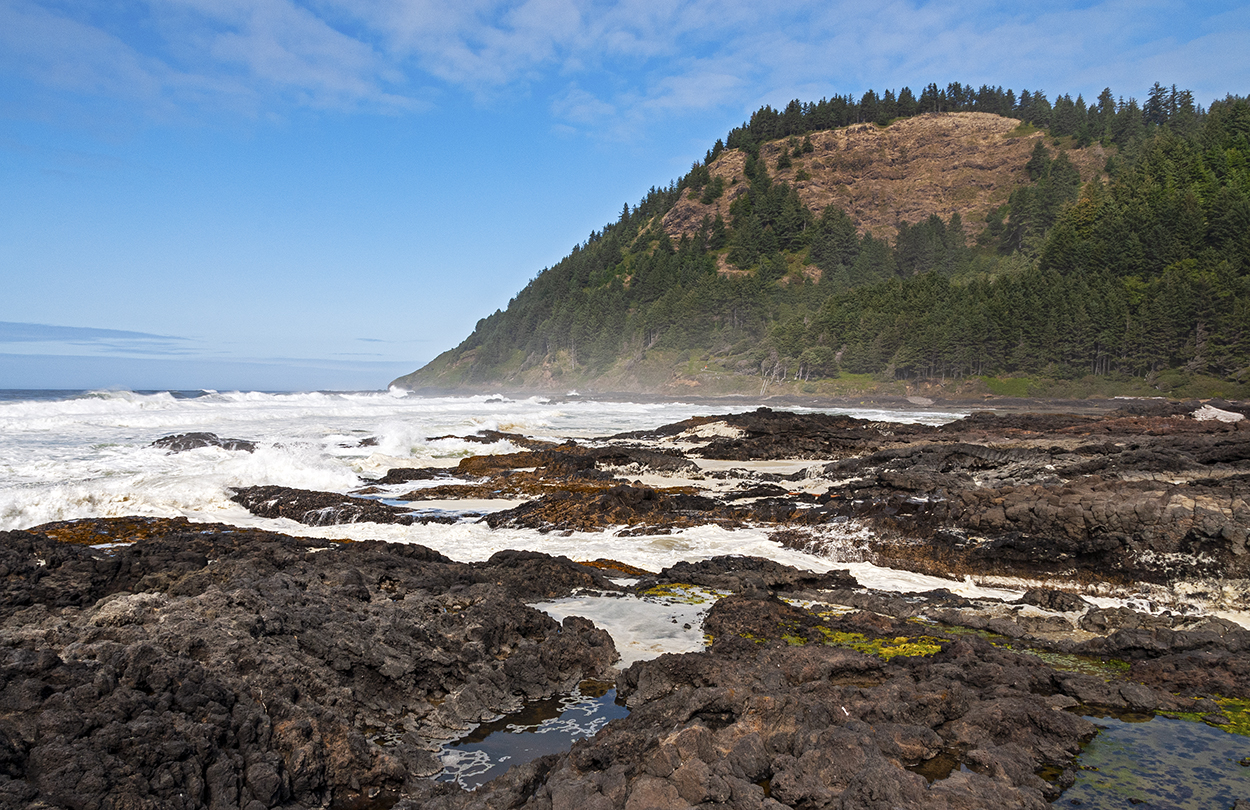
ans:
(641, 627)
(89, 454)
(542, 727)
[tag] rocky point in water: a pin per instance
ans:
(1152, 493)
(182, 442)
(157, 663)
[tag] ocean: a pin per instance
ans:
(82, 454)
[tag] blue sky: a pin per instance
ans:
(303, 194)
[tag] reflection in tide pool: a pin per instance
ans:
(1160, 764)
(542, 727)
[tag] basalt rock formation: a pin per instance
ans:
(1156, 493)
(182, 442)
(216, 667)
(739, 574)
(299, 672)
(210, 666)
(788, 708)
(316, 508)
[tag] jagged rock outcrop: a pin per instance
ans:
(317, 508)
(215, 667)
(182, 442)
(772, 725)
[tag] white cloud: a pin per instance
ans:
(64, 53)
(282, 46)
(37, 338)
(581, 107)
(645, 60)
(697, 89)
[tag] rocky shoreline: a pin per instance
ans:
(1148, 495)
(152, 662)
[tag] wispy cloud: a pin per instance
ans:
(64, 339)
(13, 332)
(632, 60)
(284, 47)
(579, 106)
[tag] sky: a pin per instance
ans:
(326, 194)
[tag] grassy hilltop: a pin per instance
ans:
(963, 243)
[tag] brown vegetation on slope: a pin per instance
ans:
(939, 163)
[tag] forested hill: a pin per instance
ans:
(973, 239)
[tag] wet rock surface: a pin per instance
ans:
(188, 665)
(317, 508)
(215, 667)
(204, 665)
(756, 722)
(737, 574)
(182, 442)
(619, 505)
(1151, 493)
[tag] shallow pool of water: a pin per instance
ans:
(540, 728)
(1159, 764)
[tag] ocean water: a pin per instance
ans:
(67, 455)
(80, 454)
(542, 727)
(1160, 764)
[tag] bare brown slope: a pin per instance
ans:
(930, 164)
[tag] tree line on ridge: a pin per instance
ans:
(1145, 270)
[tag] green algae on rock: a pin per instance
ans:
(886, 648)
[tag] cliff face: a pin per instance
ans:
(947, 163)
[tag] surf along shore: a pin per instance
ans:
(157, 662)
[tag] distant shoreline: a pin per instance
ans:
(890, 402)
(893, 403)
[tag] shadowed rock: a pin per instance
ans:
(818, 726)
(222, 667)
(737, 574)
(317, 508)
(621, 505)
(191, 441)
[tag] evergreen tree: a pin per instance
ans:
(834, 240)
(1039, 162)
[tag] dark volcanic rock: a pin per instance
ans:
(317, 508)
(1161, 407)
(1147, 496)
(1153, 640)
(737, 574)
(1033, 496)
(1013, 423)
(769, 434)
(559, 471)
(208, 666)
(1054, 600)
(191, 441)
(570, 459)
(1147, 493)
(494, 436)
(1108, 524)
(402, 475)
(1208, 672)
(621, 505)
(218, 667)
(816, 726)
